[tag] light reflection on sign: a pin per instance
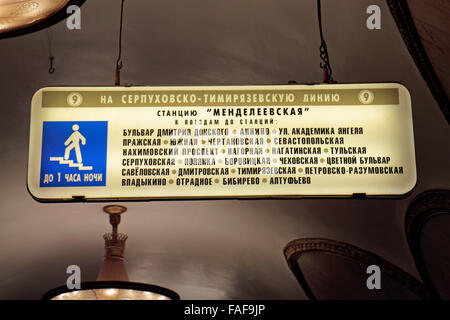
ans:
(211, 142)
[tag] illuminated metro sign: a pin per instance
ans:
(113, 143)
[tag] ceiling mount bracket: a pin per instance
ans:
(114, 212)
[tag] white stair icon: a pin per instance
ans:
(70, 163)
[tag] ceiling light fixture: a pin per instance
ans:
(112, 282)
(19, 17)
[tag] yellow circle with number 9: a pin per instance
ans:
(365, 96)
(74, 99)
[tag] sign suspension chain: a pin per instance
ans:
(325, 63)
(119, 58)
(51, 58)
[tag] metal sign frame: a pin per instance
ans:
(380, 113)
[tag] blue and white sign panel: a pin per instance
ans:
(117, 143)
(74, 153)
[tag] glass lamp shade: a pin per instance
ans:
(112, 282)
(112, 290)
(18, 17)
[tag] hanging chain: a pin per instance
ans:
(51, 69)
(51, 58)
(325, 63)
(119, 58)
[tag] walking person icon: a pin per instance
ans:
(73, 142)
(74, 153)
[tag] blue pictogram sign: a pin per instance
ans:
(74, 153)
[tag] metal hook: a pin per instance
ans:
(52, 68)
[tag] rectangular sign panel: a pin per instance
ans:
(110, 143)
